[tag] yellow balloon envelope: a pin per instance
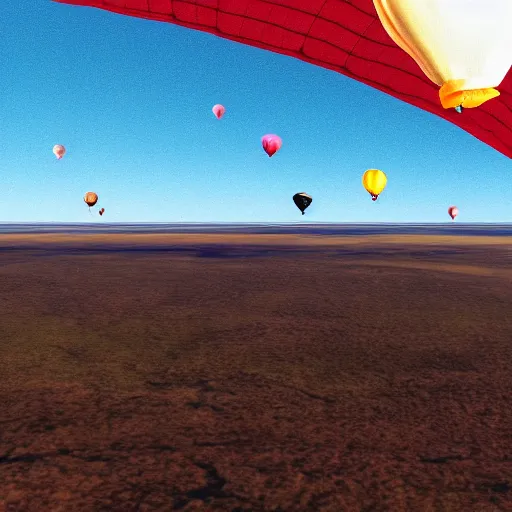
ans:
(374, 181)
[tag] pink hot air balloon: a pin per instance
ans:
(453, 211)
(271, 143)
(59, 151)
(218, 110)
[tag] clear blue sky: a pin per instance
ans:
(131, 100)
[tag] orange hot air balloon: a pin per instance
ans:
(102, 211)
(453, 211)
(91, 198)
(218, 110)
(271, 143)
(59, 151)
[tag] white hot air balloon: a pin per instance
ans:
(463, 46)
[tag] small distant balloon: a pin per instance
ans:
(302, 201)
(91, 198)
(218, 110)
(374, 181)
(102, 211)
(271, 143)
(453, 211)
(59, 151)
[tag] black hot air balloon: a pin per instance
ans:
(302, 201)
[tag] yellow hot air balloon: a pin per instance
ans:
(465, 47)
(374, 181)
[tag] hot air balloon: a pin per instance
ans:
(59, 151)
(462, 47)
(219, 111)
(302, 201)
(91, 198)
(453, 211)
(346, 36)
(102, 211)
(374, 181)
(271, 143)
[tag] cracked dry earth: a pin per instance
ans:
(320, 381)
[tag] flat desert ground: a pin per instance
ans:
(255, 372)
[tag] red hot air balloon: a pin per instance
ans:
(271, 143)
(59, 151)
(453, 211)
(218, 110)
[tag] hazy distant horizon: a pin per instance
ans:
(306, 228)
(220, 223)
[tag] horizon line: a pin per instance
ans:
(289, 223)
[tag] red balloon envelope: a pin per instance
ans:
(453, 211)
(219, 111)
(271, 143)
(343, 35)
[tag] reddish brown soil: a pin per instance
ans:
(183, 373)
